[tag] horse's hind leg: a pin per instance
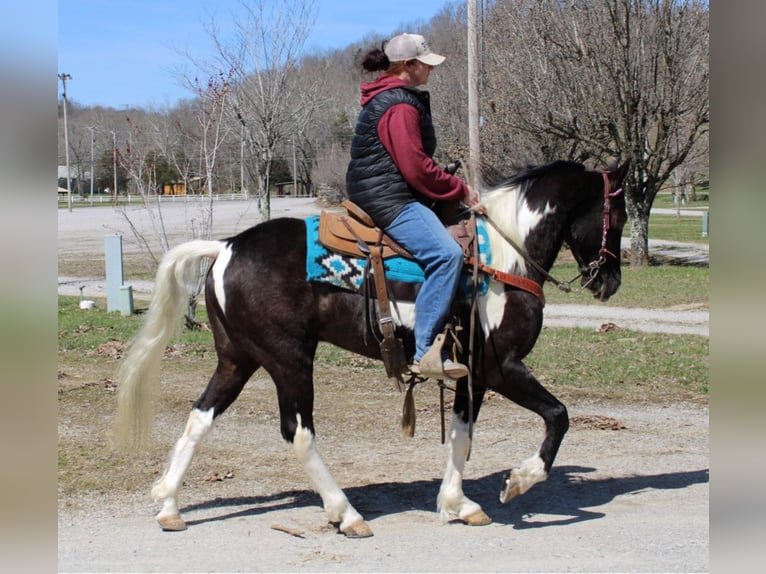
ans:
(338, 508)
(224, 387)
(294, 384)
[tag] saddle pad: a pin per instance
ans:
(347, 272)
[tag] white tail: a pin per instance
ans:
(138, 374)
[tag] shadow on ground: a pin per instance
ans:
(568, 493)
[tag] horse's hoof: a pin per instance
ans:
(511, 488)
(172, 523)
(357, 530)
(478, 518)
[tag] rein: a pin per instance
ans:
(523, 252)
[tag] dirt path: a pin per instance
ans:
(630, 500)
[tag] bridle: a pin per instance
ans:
(594, 266)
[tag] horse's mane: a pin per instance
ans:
(497, 199)
(530, 171)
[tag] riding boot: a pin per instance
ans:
(435, 365)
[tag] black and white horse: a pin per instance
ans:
(264, 313)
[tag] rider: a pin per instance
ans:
(393, 177)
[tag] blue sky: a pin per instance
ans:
(124, 53)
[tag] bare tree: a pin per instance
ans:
(210, 111)
(269, 102)
(150, 143)
(139, 158)
(599, 80)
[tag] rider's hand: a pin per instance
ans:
(473, 200)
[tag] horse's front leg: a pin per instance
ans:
(525, 390)
(452, 501)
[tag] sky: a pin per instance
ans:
(128, 53)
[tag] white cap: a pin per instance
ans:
(411, 47)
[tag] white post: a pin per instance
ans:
(92, 142)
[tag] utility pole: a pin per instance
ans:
(92, 143)
(474, 148)
(64, 78)
(114, 165)
(242, 161)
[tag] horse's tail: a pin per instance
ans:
(138, 374)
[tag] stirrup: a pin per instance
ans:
(431, 364)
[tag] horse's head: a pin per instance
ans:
(594, 236)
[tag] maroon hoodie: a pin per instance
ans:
(399, 131)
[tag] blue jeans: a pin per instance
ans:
(419, 230)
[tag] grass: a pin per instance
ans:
(651, 287)
(83, 331)
(615, 364)
(664, 200)
(577, 365)
(629, 365)
(666, 227)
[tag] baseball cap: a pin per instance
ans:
(411, 46)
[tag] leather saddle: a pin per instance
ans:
(354, 233)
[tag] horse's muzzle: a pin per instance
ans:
(604, 284)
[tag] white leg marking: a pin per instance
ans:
(451, 501)
(218, 269)
(521, 479)
(336, 504)
(165, 490)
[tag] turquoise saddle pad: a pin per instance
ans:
(347, 272)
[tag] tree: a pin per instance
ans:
(271, 102)
(148, 166)
(600, 80)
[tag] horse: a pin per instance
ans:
(263, 312)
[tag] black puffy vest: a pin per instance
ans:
(373, 181)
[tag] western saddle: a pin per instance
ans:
(355, 234)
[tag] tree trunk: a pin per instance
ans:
(639, 237)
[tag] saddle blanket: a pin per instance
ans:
(347, 272)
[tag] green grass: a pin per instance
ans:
(664, 199)
(622, 364)
(671, 227)
(616, 364)
(687, 229)
(81, 330)
(653, 287)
